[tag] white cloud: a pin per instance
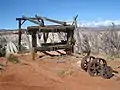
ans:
(98, 23)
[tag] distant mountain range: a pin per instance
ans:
(101, 27)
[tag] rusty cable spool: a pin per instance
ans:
(106, 72)
(94, 68)
(85, 61)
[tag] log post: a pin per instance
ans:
(34, 44)
(19, 35)
(70, 41)
(45, 36)
(34, 39)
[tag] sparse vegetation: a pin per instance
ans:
(1, 67)
(12, 58)
(2, 51)
(2, 46)
(63, 72)
(105, 41)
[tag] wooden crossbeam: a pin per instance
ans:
(53, 48)
(52, 28)
(50, 44)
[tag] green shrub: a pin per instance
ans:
(13, 59)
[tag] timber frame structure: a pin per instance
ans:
(68, 45)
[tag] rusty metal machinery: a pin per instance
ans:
(94, 68)
(85, 61)
(97, 67)
(101, 61)
(106, 72)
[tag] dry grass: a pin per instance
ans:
(12, 58)
(64, 72)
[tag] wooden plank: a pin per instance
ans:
(52, 20)
(43, 18)
(48, 44)
(52, 28)
(31, 20)
(62, 52)
(52, 48)
(26, 19)
(52, 53)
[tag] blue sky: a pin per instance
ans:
(88, 10)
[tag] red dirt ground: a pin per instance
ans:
(53, 73)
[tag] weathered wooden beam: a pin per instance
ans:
(52, 48)
(52, 28)
(19, 35)
(34, 39)
(26, 19)
(42, 18)
(50, 44)
(51, 20)
(45, 36)
(70, 37)
(23, 22)
(34, 44)
(70, 41)
(31, 20)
